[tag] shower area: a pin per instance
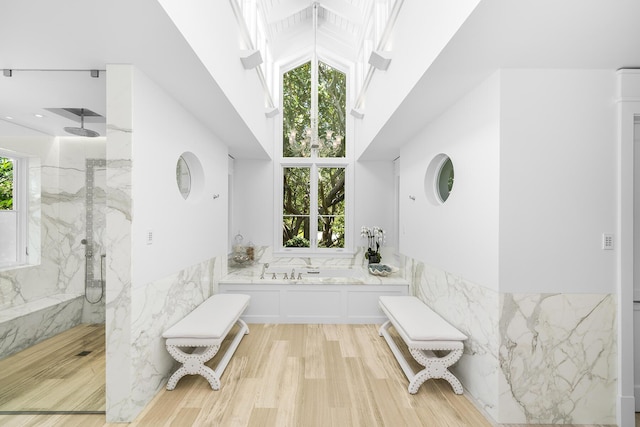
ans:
(54, 312)
(94, 249)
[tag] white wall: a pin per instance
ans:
(185, 232)
(253, 201)
(421, 32)
(461, 235)
(636, 212)
(557, 181)
(374, 200)
(211, 29)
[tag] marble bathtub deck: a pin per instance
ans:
(251, 274)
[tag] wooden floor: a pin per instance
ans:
(63, 373)
(311, 375)
(297, 375)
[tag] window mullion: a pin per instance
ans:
(313, 214)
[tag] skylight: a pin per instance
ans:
(346, 29)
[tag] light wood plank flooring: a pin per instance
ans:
(311, 375)
(55, 374)
(298, 375)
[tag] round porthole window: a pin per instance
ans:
(183, 177)
(438, 182)
(189, 175)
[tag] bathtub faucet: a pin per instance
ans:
(264, 267)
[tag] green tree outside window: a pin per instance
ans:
(317, 185)
(6, 183)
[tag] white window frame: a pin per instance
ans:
(314, 163)
(20, 208)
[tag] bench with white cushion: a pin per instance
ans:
(205, 328)
(424, 332)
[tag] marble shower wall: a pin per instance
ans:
(62, 225)
(35, 300)
(23, 285)
(95, 216)
(530, 358)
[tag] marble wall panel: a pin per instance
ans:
(119, 379)
(530, 358)
(558, 359)
(120, 406)
(28, 324)
(157, 306)
(473, 309)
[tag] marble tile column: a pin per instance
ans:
(119, 380)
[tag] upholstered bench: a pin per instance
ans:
(205, 328)
(424, 332)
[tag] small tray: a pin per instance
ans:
(382, 270)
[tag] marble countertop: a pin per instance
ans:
(355, 274)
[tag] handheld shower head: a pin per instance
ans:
(81, 131)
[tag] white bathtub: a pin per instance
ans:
(321, 295)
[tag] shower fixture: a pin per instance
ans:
(81, 131)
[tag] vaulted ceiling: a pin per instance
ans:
(342, 25)
(39, 36)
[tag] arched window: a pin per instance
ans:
(314, 161)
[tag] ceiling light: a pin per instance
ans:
(8, 117)
(38, 115)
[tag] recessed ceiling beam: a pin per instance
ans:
(344, 10)
(287, 9)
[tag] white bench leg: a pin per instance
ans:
(435, 367)
(244, 330)
(194, 364)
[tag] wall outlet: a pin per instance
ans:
(607, 241)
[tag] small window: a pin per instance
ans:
(189, 175)
(445, 180)
(439, 178)
(7, 184)
(13, 210)
(183, 177)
